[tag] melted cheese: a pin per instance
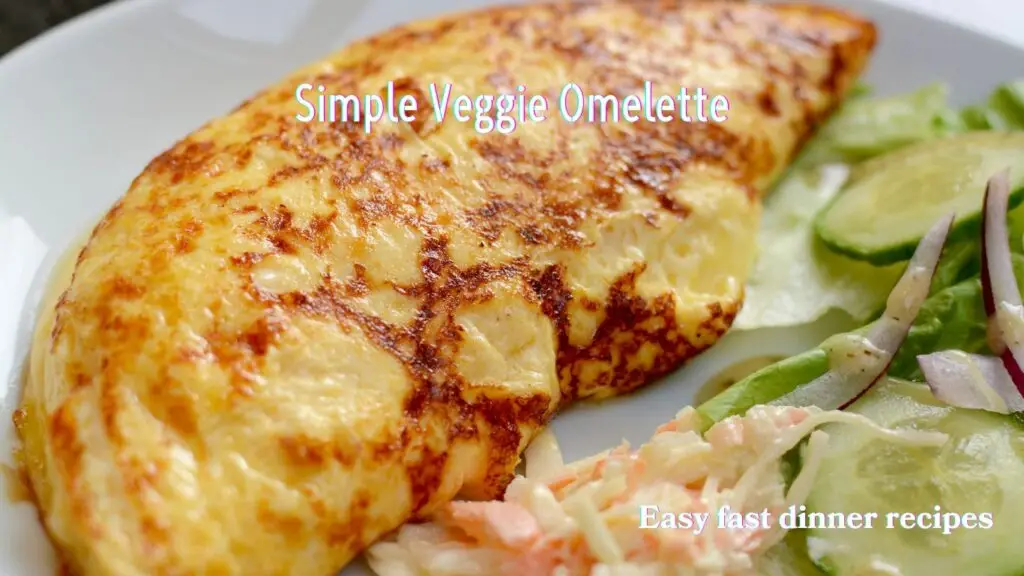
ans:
(287, 339)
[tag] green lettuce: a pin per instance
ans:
(867, 126)
(953, 317)
(960, 261)
(1004, 110)
(796, 279)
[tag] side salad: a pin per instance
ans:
(956, 368)
(892, 167)
(801, 274)
(903, 214)
(975, 399)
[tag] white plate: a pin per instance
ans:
(83, 109)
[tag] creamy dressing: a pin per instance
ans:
(960, 379)
(909, 293)
(882, 568)
(1010, 320)
(852, 354)
(818, 549)
(990, 398)
(994, 336)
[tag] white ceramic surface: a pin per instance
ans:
(1003, 19)
(83, 109)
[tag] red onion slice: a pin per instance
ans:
(858, 360)
(999, 285)
(971, 381)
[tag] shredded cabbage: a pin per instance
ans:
(583, 518)
(543, 456)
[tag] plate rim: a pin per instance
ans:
(41, 49)
(106, 14)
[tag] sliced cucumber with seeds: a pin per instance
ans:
(979, 470)
(890, 201)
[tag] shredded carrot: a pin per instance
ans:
(562, 481)
(671, 426)
(507, 524)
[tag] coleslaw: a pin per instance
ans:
(583, 518)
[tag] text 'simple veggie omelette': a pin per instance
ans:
(290, 338)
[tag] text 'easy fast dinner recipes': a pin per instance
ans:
(504, 112)
(800, 518)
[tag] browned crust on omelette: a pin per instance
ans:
(532, 200)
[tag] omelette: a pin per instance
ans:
(288, 338)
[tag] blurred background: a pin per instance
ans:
(20, 20)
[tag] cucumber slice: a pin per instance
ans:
(980, 470)
(890, 201)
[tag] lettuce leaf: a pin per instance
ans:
(960, 261)
(952, 319)
(797, 279)
(1004, 110)
(868, 126)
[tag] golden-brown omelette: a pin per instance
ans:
(288, 338)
